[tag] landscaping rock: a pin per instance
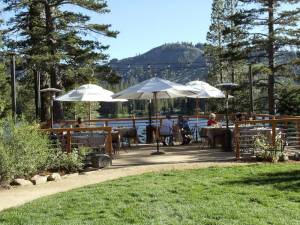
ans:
(54, 177)
(5, 186)
(21, 182)
(297, 156)
(101, 161)
(37, 179)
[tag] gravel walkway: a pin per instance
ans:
(20, 195)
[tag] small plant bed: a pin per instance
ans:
(256, 194)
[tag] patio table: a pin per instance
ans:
(215, 135)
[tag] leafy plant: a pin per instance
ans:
(266, 151)
(72, 162)
(26, 151)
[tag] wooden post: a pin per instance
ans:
(274, 123)
(108, 145)
(237, 141)
(133, 121)
(298, 132)
(68, 141)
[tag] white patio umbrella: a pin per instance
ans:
(89, 93)
(155, 88)
(204, 90)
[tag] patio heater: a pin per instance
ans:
(51, 92)
(227, 87)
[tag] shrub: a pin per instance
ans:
(61, 161)
(5, 164)
(265, 151)
(26, 151)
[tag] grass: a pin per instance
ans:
(264, 194)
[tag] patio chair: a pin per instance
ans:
(166, 133)
(205, 142)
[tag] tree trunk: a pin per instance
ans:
(50, 29)
(271, 42)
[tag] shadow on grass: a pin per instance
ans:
(283, 181)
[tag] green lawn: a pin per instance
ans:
(265, 194)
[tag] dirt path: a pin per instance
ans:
(18, 196)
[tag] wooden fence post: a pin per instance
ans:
(237, 141)
(109, 147)
(274, 123)
(68, 141)
(298, 132)
(133, 122)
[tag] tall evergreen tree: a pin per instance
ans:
(215, 39)
(273, 25)
(57, 40)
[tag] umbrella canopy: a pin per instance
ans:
(89, 93)
(160, 87)
(205, 90)
(156, 88)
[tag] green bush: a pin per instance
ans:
(26, 151)
(61, 161)
(5, 164)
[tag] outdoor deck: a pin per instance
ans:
(141, 155)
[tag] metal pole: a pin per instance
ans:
(150, 113)
(197, 115)
(226, 109)
(51, 109)
(156, 115)
(13, 87)
(251, 88)
(39, 94)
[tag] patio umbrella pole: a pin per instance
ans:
(156, 115)
(89, 113)
(197, 114)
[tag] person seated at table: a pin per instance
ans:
(166, 130)
(185, 130)
(212, 120)
(79, 123)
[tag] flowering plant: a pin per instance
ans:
(264, 150)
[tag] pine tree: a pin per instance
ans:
(235, 38)
(56, 39)
(5, 102)
(215, 38)
(273, 26)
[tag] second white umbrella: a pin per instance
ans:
(155, 88)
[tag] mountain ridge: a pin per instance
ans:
(180, 62)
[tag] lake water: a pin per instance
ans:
(141, 126)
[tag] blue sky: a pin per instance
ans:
(144, 24)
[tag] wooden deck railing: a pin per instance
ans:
(287, 125)
(67, 132)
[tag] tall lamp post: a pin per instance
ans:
(227, 87)
(51, 92)
(13, 85)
